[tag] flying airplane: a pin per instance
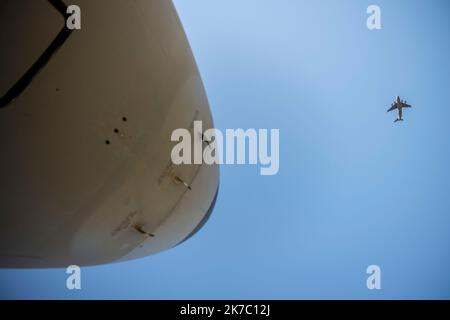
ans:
(86, 118)
(399, 105)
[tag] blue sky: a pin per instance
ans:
(354, 189)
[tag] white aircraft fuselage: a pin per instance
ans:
(85, 166)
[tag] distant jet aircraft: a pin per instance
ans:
(399, 104)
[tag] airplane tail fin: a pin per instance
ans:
(396, 120)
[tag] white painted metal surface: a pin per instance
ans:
(85, 171)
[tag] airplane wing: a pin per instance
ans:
(405, 105)
(393, 107)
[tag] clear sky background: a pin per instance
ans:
(354, 189)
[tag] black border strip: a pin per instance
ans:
(42, 61)
(277, 309)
